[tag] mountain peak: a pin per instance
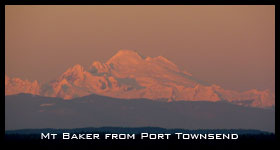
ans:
(77, 68)
(126, 56)
(123, 52)
(74, 72)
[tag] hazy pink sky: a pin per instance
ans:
(232, 46)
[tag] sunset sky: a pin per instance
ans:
(232, 46)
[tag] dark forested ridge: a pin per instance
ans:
(128, 130)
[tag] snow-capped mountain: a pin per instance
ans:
(130, 75)
(17, 85)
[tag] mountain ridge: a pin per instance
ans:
(128, 75)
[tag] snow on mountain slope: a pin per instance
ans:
(130, 75)
(16, 85)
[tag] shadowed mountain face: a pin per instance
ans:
(129, 75)
(25, 111)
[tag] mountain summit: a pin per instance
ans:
(126, 57)
(129, 75)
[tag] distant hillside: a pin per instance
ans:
(25, 111)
